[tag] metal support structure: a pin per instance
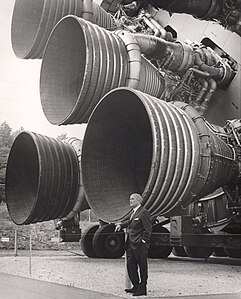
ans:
(16, 243)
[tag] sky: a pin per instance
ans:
(20, 104)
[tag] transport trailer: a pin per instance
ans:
(208, 227)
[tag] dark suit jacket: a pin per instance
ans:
(139, 228)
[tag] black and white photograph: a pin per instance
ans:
(120, 149)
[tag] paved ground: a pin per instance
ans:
(16, 287)
(13, 287)
(72, 275)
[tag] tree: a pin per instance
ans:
(6, 138)
(6, 141)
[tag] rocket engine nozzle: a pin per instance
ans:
(137, 143)
(43, 179)
(33, 21)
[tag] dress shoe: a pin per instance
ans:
(132, 290)
(138, 293)
(141, 291)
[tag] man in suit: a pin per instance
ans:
(137, 243)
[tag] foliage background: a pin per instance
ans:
(42, 233)
(7, 137)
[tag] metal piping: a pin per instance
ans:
(134, 58)
(212, 87)
(155, 26)
(152, 46)
(215, 72)
(184, 57)
(137, 143)
(33, 21)
(42, 179)
(157, 48)
(199, 98)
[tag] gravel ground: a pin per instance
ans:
(171, 277)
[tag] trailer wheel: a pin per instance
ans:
(86, 241)
(157, 251)
(198, 252)
(233, 252)
(219, 251)
(179, 251)
(107, 243)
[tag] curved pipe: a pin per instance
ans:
(42, 179)
(154, 47)
(155, 26)
(33, 21)
(212, 87)
(199, 98)
(91, 61)
(184, 56)
(134, 58)
(213, 71)
(138, 143)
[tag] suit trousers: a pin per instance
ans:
(137, 256)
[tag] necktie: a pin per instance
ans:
(132, 214)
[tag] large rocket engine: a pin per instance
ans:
(165, 151)
(44, 179)
(144, 95)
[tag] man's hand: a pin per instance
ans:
(117, 227)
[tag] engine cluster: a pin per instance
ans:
(192, 71)
(143, 94)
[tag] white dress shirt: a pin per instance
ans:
(134, 210)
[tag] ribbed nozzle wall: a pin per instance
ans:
(42, 179)
(33, 21)
(82, 62)
(138, 143)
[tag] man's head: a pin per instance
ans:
(135, 200)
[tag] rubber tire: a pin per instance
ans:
(233, 252)
(179, 251)
(86, 241)
(198, 252)
(156, 251)
(219, 251)
(107, 243)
